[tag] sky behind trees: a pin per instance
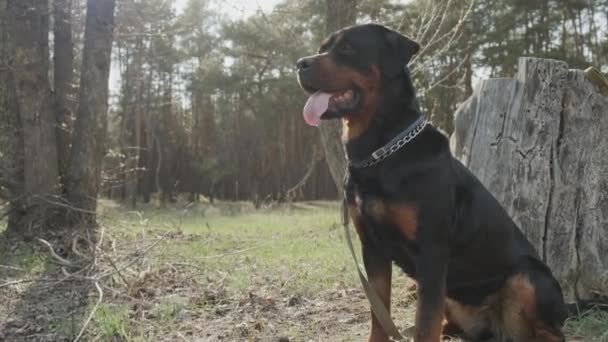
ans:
(234, 9)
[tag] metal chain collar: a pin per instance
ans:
(392, 147)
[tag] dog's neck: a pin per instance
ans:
(398, 111)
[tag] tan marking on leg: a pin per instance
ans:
(355, 216)
(472, 320)
(434, 327)
(405, 216)
(382, 285)
(376, 208)
(519, 308)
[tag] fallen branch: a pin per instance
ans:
(117, 271)
(86, 323)
(84, 267)
(11, 283)
(107, 274)
(58, 258)
(185, 264)
(22, 281)
(231, 253)
(66, 205)
(12, 268)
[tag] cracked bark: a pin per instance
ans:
(548, 167)
(27, 62)
(88, 144)
(543, 248)
(63, 58)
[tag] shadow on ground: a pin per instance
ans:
(38, 302)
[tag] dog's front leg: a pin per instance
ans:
(379, 272)
(431, 268)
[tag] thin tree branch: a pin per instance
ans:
(86, 323)
(59, 259)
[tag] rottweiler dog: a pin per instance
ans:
(477, 275)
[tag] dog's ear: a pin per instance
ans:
(401, 49)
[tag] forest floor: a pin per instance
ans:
(223, 272)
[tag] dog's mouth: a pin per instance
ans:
(323, 105)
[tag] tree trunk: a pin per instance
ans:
(91, 122)
(64, 72)
(340, 13)
(164, 176)
(539, 142)
(28, 24)
(133, 116)
(11, 134)
(147, 179)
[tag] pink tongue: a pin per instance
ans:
(316, 105)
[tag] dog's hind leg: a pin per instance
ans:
(530, 309)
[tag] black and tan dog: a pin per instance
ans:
(477, 276)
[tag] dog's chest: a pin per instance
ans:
(385, 220)
(390, 228)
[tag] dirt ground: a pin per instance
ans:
(177, 301)
(207, 274)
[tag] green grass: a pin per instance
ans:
(301, 247)
(589, 326)
(111, 321)
(169, 308)
(22, 256)
(289, 250)
(232, 251)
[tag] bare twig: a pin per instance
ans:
(173, 264)
(93, 311)
(443, 79)
(451, 35)
(292, 193)
(83, 273)
(139, 256)
(16, 282)
(12, 268)
(58, 258)
(231, 253)
(75, 248)
(117, 271)
(66, 205)
(22, 281)
(100, 240)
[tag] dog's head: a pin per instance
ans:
(346, 78)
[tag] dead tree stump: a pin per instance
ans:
(539, 142)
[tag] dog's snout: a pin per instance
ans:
(304, 63)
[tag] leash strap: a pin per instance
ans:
(375, 302)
